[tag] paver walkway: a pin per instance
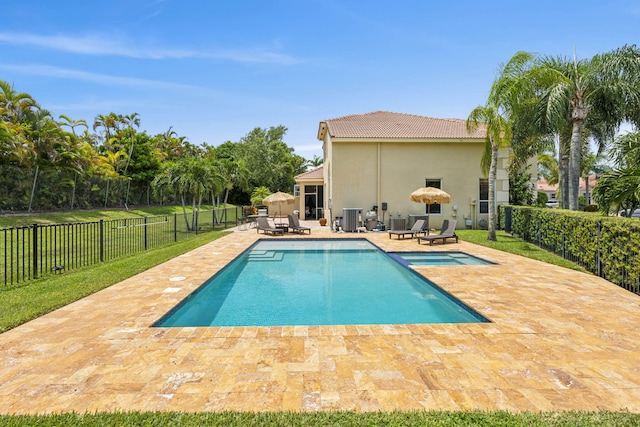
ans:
(559, 340)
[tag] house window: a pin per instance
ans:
(434, 208)
(296, 190)
(484, 196)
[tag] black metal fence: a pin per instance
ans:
(607, 247)
(37, 250)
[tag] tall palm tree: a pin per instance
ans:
(73, 124)
(605, 87)
(232, 174)
(192, 178)
(502, 103)
(107, 165)
(130, 121)
(109, 123)
(498, 135)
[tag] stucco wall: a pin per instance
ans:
(369, 173)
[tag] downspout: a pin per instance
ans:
(379, 179)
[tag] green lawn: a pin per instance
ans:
(332, 418)
(72, 240)
(514, 245)
(16, 220)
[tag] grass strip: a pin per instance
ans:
(516, 246)
(331, 418)
(31, 299)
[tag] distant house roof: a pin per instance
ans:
(387, 125)
(314, 174)
(544, 186)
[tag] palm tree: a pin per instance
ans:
(315, 162)
(258, 195)
(109, 123)
(620, 187)
(502, 103)
(591, 163)
(605, 87)
(42, 130)
(108, 165)
(14, 105)
(498, 135)
(130, 121)
(73, 124)
(190, 177)
(232, 174)
(15, 147)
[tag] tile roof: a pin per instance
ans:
(312, 174)
(384, 124)
(543, 185)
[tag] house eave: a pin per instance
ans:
(410, 140)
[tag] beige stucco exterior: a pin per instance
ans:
(363, 174)
(367, 172)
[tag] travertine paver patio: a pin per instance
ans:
(559, 340)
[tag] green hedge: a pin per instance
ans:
(606, 246)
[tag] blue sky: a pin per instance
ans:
(214, 70)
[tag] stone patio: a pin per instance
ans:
(558, 340)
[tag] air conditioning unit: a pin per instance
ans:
(351, 218)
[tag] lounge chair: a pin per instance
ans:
(263, 224)
(448, 232)
(294, 225)
(416, 229)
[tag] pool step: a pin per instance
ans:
(266, 256)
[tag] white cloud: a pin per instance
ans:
(65, 73)
(110, 45)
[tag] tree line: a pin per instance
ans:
(547, 104)
(49, 163)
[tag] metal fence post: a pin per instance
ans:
(539, 231)
(598, 234)
(175, 227)
(145, 233)
(563, 253)
(101, 240)
(35, 250)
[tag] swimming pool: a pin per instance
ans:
(316, 282)
(438, 258)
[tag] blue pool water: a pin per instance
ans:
(316, 282)
(437, 258)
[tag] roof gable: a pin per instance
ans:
(387, 125)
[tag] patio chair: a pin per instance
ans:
(416, 229)
(263, 224)
(294, 225)
(448, 232)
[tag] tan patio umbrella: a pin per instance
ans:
(278, 198)
(430, 195)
